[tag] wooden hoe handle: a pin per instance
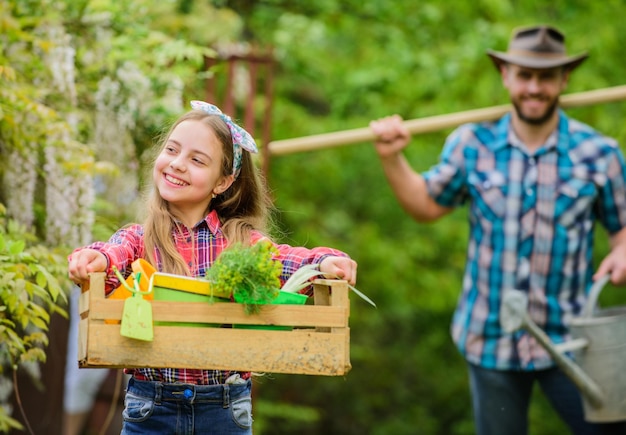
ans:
(435, 123)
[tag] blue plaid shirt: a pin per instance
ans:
(531, 218)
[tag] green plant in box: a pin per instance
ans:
(250, 272)
(252, 275)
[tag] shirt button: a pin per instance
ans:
(532, 161)
(529, 192)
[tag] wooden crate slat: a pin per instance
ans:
(223, 313)
(297, 352)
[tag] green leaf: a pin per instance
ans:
(40, 278)
(39, 323)
(358, 293)
(7, 422)
(39, 312)
(362, 295)
(16, 246)
(34, 354)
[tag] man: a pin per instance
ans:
(536, 181)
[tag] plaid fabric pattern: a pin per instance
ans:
(531, 221)
(207, 241)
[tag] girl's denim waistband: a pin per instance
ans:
(190, 393)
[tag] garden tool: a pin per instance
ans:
(598, 347)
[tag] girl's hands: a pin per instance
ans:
(341, 267)
(84, 262)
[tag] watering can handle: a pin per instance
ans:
(592, 298)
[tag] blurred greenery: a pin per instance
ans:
(378, 59)
(340, 64)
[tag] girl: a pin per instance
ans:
(207, 195)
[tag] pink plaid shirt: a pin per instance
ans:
(208, 241)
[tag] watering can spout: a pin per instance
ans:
(514, 316)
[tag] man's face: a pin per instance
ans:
(534, 93)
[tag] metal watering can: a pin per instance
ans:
(598, 345)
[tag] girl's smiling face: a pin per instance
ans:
(188, 170)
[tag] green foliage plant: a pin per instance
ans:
(29, 293)
(249, 272)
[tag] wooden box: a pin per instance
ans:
(318, 344)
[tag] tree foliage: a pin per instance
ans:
(30, 293)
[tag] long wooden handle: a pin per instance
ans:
(434, 123)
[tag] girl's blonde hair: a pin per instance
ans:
(243, 207)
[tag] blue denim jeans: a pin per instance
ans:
(501, 400)
(184, 409)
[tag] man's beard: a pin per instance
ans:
(536, 120)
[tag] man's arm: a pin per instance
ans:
(408, 185)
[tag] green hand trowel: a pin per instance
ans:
(137, 313)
